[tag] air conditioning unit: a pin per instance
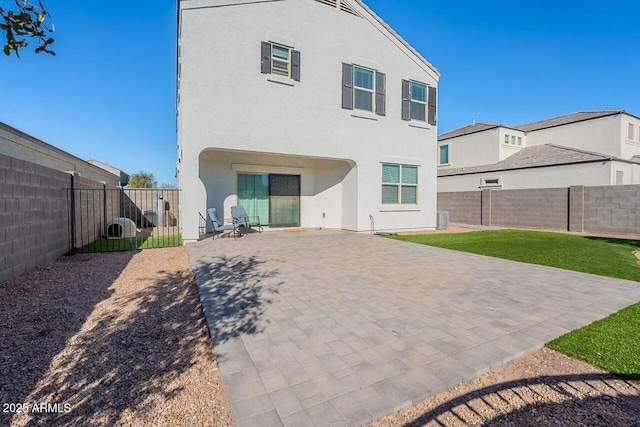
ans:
(442, 220)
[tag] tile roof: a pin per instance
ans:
(469, 129)
(580, 116)
(532, 157)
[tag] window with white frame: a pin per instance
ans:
(492, 181)
(520, 141)
(443, 155)
(363, 89)
(399, 184)
(280, 60)
(418, 101)
(506, 139)
(630, 131)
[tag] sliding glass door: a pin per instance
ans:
(274, 198)
(284, 200)
(253, 196)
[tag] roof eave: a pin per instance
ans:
(612, 113)
(531, 167)
(398, 37)
(440, 138)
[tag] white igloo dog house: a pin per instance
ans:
(119, 228)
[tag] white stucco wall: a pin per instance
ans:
(629, 147)
(599, 135)
(226, 103)
(480, 148)
(587, 174)
(507, 150)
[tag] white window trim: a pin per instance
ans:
(484, 179)
(273, 60)
(400, 184)
(372, 91)
(276, 78)
(425, 103)
(419, 125)
(449, 155)
(631, 132)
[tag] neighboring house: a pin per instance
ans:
(585, 148)
(542, 166)
(124, 177)
(17, 144)
(310, 113)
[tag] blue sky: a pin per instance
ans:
(109, 94)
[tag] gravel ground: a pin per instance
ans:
(542, 388)
(113, 339)
(119, 339)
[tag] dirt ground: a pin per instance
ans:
(119, 339)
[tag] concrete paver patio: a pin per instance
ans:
(335, 328)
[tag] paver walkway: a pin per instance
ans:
(334, 328)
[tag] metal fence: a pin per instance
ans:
(119, 219)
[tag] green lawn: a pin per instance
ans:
(612, 343)
(128, 244)
(596, 255)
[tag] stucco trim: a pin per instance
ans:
(400, 160)
(399, 208)
(237, 167)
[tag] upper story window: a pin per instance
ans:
(630, 132)
(399, 184)
(513, 140)
(443, 155)
(363, 89)
(418, 102)
(281, 60)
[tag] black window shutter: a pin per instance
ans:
(265, 64)
(295, 65)
(406, 100)
(347, 86)
(433, 92)
(381, 89)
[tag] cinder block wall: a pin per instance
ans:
(612, 209)
(545, 208)
(464, 207)
(33, 216)
(606, 210)
(139, 201)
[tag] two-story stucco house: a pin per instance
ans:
(588, 148)
(309, 113)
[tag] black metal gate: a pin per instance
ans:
(119, 219)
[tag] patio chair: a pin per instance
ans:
(241, 218)
(219, 227)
